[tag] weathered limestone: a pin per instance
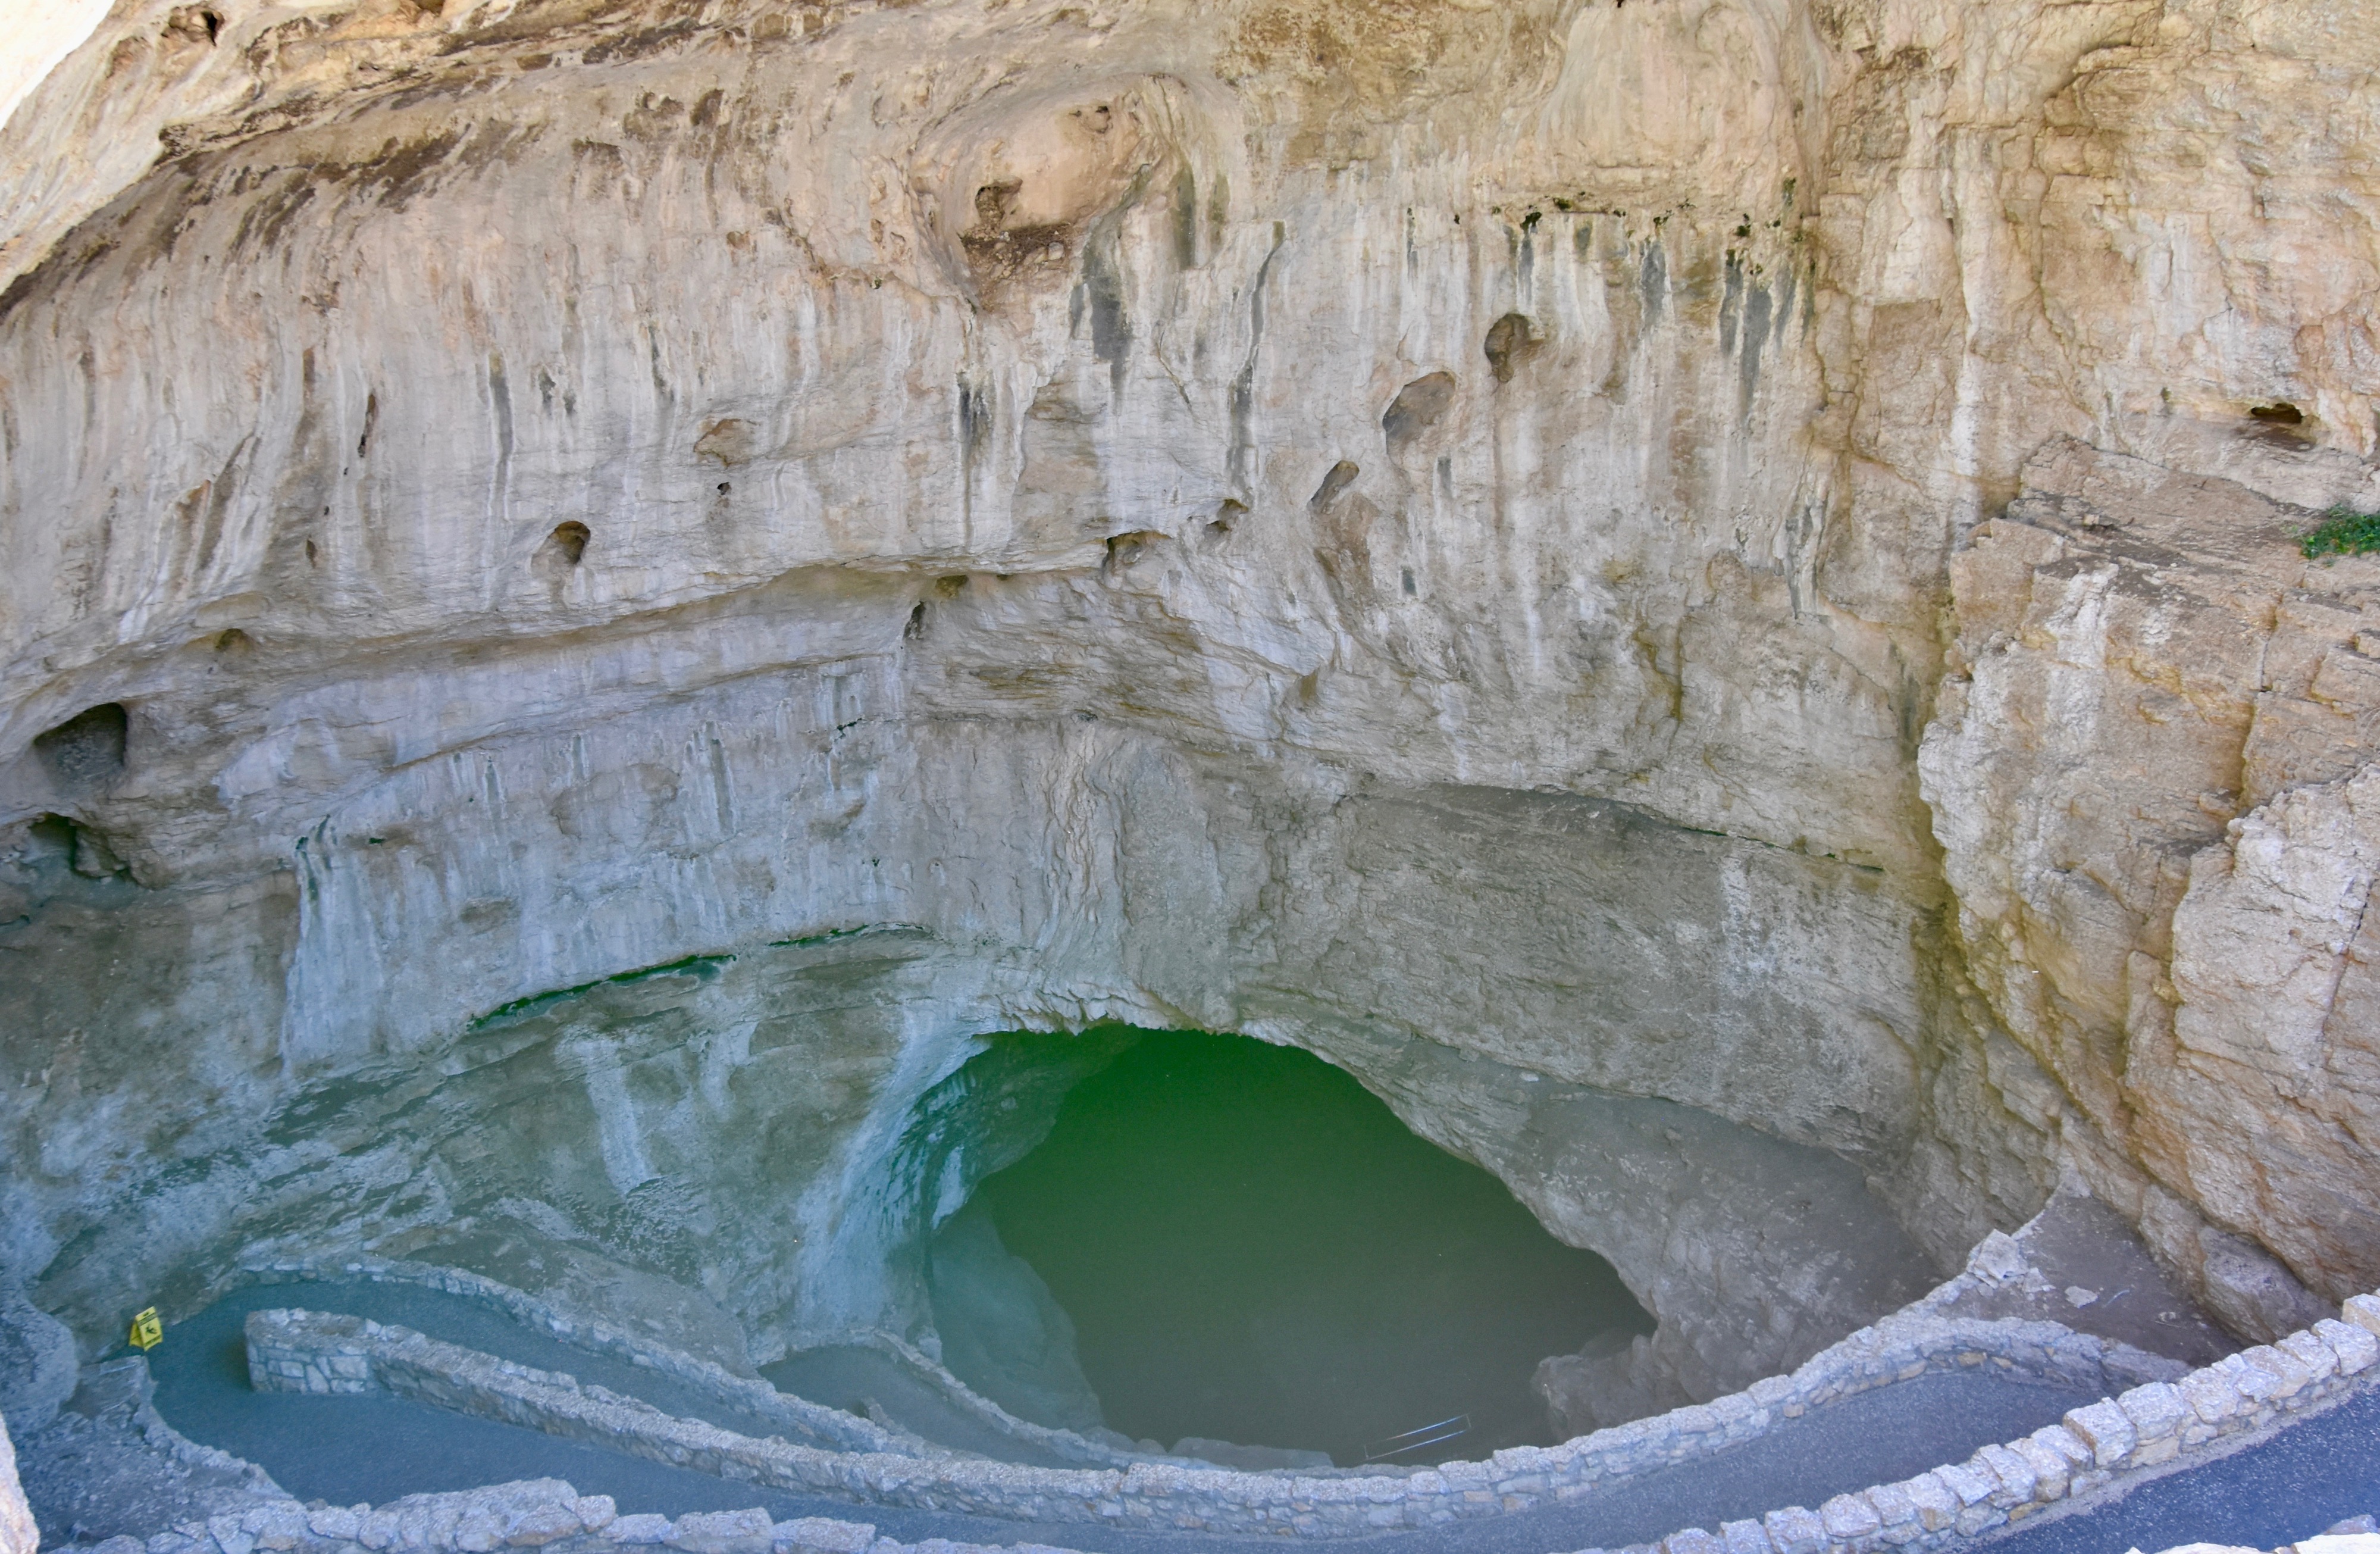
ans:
(2149, 782)
(585, 601)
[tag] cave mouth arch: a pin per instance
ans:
(1236, 1242)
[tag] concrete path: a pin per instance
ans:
(2290, 1485)
(202, 1368)
(850, 1377)
(377, 1448)
(347, 1449)
(2273, 1491)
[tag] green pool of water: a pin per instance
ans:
(1253, 1248)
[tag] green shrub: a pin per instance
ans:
(2342, 531)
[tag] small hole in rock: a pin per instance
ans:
(49, 840)
(568, 542)
(994, 200)
(1126, 549)
(1509, 344)
(1341, 476)
(1417, 407)
(2279, 413)
(195, 23)
(233, 640)
(87, 749)
(55, 838)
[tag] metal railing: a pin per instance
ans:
(1414, 1440)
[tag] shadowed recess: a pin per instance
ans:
(1253, 1248)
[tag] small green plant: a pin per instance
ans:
(2342, 531)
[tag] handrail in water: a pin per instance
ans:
(1414, 1440)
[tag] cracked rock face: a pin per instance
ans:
(2150, 780)
(591, 593)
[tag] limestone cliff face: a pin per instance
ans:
(2148, 774)
(1359, 522)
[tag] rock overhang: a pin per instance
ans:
(1093, 616)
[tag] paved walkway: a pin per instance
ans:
(202, 1368)
(2313, 1475)
(2292, 1484)
(849, 1377)
(376, 1448)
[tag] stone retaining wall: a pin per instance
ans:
(532, 1513)
(549, 1514)
(745, 1393)
(2101, 1448)
(2146, 1428)
(311, 1352)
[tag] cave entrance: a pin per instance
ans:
(1250, 1247)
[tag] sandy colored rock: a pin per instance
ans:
(2150, 657)
(17, 1534)
(659, 574)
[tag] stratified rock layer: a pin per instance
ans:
(1434, 532)
(2150, 783)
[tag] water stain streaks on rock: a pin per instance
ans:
(1737, 558)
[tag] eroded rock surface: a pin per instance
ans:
(2146, 783)
(1502, 526)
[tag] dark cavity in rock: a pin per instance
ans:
(1341, 476)
(1245, 1244)
(567, 544)
(1509, 345)
(86, 751)
(1417, 407)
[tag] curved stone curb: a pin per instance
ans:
(599, 1336)
(303, 1351)
(2099, 1445)
(546, 1513)
(1065, 1443)
(2146, 1428)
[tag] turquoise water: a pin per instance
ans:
(1253, 1248)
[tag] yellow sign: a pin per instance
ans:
(147, 1331)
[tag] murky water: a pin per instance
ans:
(1253, 1248)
